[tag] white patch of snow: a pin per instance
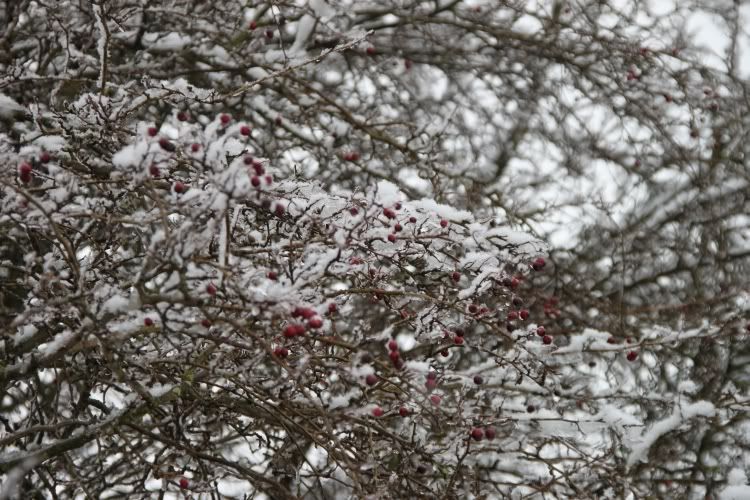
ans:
(116, 304)
(682, 413)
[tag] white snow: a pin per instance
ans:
(322, 8)
(101, 44)
(304, 30)
(25, 331)
(116, 304)
(9, 107)
(737, 487)
(443, 211)
(131, 156)
(388, 193)
(680, 415)
(166, 42)
(159, 390)
(60, 340)
(343, 400)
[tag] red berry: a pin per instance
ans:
(393, 345)
(430, 384)
(303, 312)
(370, 50)
(245, 130)
(294, 330)
(490, 433)
(152, 131)
(269, 33)
(403, 411)
(315, 322)
(258, 167)
(277, 120)
(456, 276)
(397, 228)
(407, 64)
(182, 116)
(253, 25)
(611, 340)
(397, 206)
(225, 118)
(547, 340)
(179, 187)
(281, 352)
(540, 330)
(478, 380)
(444, 353)
(44, 157)
(205, 323)
(538, 263)
(394, 355)
(524, 314)
(332, 307)
(211, 289)
(148, 322)
(371, 379)
(268, 179)
(273, 276)
(413, 220)
(515, 282)
(377, 412)
(431, 375)
(632, 356)
(279, 210)
(530, 409)
(248, 160)
(24, 172)
(255, 181)
(458, 340)
(195, 147)
(353, 211)
(167, 145)
(392, 238)
(389, 213)
(512, 315)
(443, 223)
(184, 483)
(435, 399)
(473, 308)
(477, 434)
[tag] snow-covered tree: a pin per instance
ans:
(373, 249)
